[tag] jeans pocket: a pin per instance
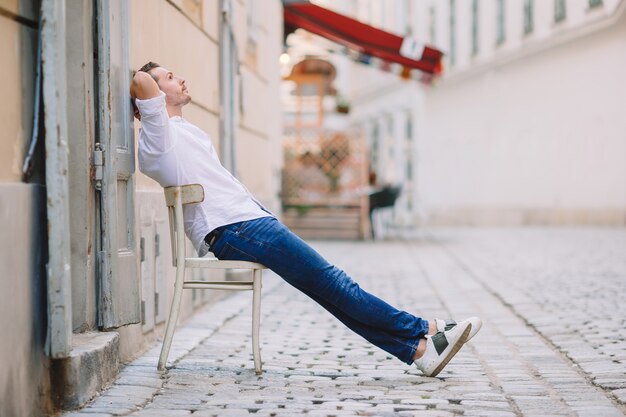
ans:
(241, 226)
(231, 253)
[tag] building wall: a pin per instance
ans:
(524, 131)
(536, 140)
(22, 213)
(258, 31)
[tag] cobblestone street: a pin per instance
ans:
(553, 340)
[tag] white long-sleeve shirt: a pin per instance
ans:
(173, 152)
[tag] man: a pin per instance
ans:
(233, 225)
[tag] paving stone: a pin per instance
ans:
(620, 394)
(487, 413)
(82, 413)
(127, 391)
(161, 413)
(112, 409)
(139, 381)
(541, 293)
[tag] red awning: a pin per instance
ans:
(363, 38)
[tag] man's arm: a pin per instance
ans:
(154, 137)
(142, 87)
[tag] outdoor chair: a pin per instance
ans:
(176, 198)
(385, 197)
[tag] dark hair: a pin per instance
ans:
(147, 67)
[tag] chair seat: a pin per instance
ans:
(220, 285)
(212, 263)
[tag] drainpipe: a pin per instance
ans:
(227, 88)
(27, 167)
(59, 338)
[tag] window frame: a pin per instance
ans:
(475, 29)
(452, 28)
(592, 4)
(433, 25)
(500, 22)
(529, 17)
(560, 10)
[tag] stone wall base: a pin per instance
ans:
(93, 364)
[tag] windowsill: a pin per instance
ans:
(591, 9)
(559, 24)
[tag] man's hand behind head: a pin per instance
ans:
(142, 87)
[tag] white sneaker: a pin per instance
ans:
(445, 325)
(441, 347)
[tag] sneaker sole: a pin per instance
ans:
(475, 330)
(457, 346)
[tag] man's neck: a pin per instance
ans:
(174, 111)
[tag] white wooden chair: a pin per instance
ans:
(176, 198)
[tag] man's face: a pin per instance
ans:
(173, 86)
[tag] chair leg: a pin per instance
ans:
(256, 319)
(173, 317)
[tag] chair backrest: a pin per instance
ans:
(175, 199)
(385, 197)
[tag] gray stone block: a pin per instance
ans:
(93, 363)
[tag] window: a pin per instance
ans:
(251, 20)
(500, 28)
(193, 10)
(433, 25)
(404, 17)
(408, 152)
(595, 3)
(475, 40)
(452, 32)
(559, 10)
(528, 16)
(374, 150)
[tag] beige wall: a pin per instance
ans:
(23, 314)
(259, 152)
(18, 47)
(22, 250)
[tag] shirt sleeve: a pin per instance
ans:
(154, 125)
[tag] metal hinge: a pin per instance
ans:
(98, 166)
(142, 249)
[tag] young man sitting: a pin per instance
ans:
(233, 225)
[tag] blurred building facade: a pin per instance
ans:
(86, 266)
(525, 127)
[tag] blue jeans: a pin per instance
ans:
(269, 242)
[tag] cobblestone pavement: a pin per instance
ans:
(553, 340)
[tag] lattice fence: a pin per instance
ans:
(323, 167)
